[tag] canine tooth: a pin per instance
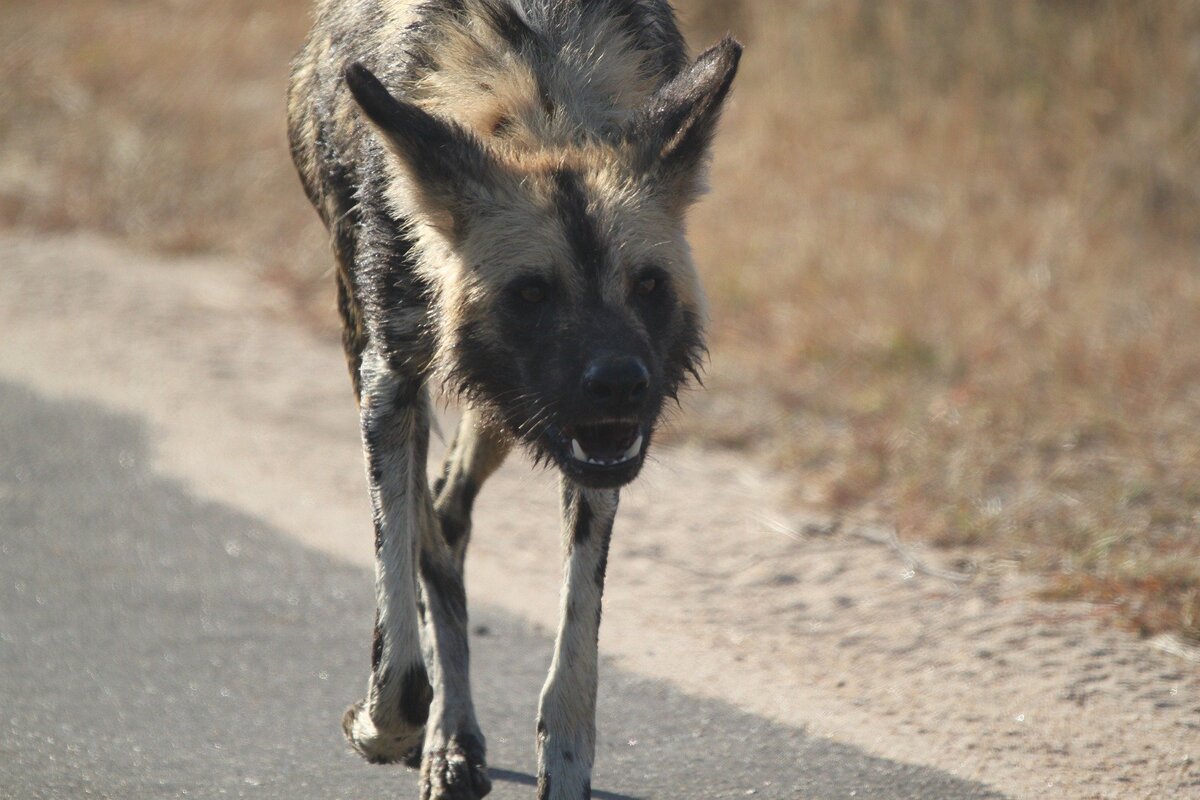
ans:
(634, 448)
(577, 451)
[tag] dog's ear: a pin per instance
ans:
(674, 129)
(448, 166)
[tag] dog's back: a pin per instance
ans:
(520, 74)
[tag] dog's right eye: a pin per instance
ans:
(532, 290)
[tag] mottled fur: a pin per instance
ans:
(504, 183)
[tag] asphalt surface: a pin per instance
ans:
(156, 645)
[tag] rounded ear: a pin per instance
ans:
(675, 128)
(447, 164)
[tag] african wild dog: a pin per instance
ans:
(504, 183)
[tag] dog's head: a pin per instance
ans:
(568, 307)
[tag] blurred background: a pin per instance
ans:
(952, 249)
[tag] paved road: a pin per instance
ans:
(154, 645)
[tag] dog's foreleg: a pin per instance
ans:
(389, 724)
(566, 726)
(419, 689)
(476, 453)
(453, 765)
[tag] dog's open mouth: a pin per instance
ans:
(605, 444)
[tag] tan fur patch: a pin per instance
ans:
(480, 81)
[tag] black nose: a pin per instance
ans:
(618, 382)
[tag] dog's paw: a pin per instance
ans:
(381, 747)
(457, 771)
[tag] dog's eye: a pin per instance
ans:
(533, 294)
(532, 290)
(649, 282)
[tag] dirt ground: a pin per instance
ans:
(921, 655)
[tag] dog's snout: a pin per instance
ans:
(619, 383)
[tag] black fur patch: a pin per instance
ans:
(601, 570)
(351, 335)
(686, 354)
(439, 483)
(372, 438)
(398, 292)
(415, 695)
(339, 210)
(660, 41)
(375, 470)
(471, 747)
(469, 489)
(473, 751)
(583, 522)
(408, 389)
(583, 235)
(482, 371)
(445, 586)
(453, 529)
(602, 563)
(502, 126)
(376, 645)
(480, 364)
(504, 20)
(456, 521)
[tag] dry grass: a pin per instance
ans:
(973, 255)
(954, 249)
(157, 120)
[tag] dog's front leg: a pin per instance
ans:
(566, 726)
(420, 675)
(453, 765)
(389, 724)
(477, 452)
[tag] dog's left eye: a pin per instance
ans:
(649, 282)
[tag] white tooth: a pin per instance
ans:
(577, 451)
(634, 448)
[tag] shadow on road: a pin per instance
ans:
(523, 779)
